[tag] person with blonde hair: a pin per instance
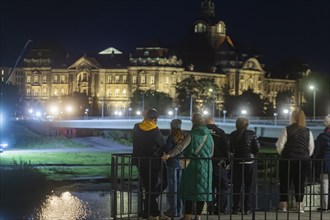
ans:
(322, 151)
(244, 146)
(295, 145)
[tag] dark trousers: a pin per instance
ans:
(150, 181)
(243, 181)
(219, 189)
(293, 171)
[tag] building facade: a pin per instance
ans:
(110, 77)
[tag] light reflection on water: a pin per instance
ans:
(75, 206)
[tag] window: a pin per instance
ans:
(124, 79)
(36, 79)
(55, 79)
(134, 79)
(117, 78)
(28, 79)
(109, 79)
(28, 92)
(124, 93)
(200, 28)
(152, 79)
(44, 79)
(44, 92)
(220, 28)
(143, 79)
(62, 78)
(35, 92)
(109, 94)
(116, 93)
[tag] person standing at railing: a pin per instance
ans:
(244, 146)
(219, 164)
(322, 151)
(148, 147)
(295, 145)
(174, 170)
(196, 181)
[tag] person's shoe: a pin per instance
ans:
(283, 207)
(300, 207)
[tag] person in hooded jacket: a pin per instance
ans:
(148, 147)
(244, 146)
(322, 151)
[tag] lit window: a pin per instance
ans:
(124, 79)
(220, 28)
(200, 28)
(152, 79)
(134, 79)
(62, 78)
(35, 92)
(44, 79)
(117, 78)
(124, 93)
(55, 79)
(109, 79)
(36, 79)
(28, 92)
(143, 79)
(44, 92)
(28, 79)
(116, 93)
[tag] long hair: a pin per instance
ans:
(298, 117)
(178, 134)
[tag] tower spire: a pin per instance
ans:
(208, 8)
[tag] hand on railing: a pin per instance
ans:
(165, 156)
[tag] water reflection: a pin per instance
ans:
(75, 205)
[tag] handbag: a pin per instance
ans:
(184, 162)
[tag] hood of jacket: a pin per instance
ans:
(147, 125)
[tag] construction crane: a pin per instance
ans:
(17, 61)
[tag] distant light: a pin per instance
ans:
(69, 108)
(285, 111)
(31, 110)
(38, 114)
(138, 112)
(311, 87)
(244, 112)
(205, 112)
(170, 112)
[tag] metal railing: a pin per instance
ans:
(127, 192)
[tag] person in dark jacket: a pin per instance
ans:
(295, 145)
(219, 163)
(244, 146)
(322, 151)
(148, 147)
(174, 170)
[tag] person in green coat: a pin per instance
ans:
(196, 180)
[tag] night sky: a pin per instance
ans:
(278, 29)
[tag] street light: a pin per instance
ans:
(275, 118)
(213, 101)
(311, 87)
(224, 115)
(176, 112)
(244, 112)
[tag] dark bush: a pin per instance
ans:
(23, 188)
